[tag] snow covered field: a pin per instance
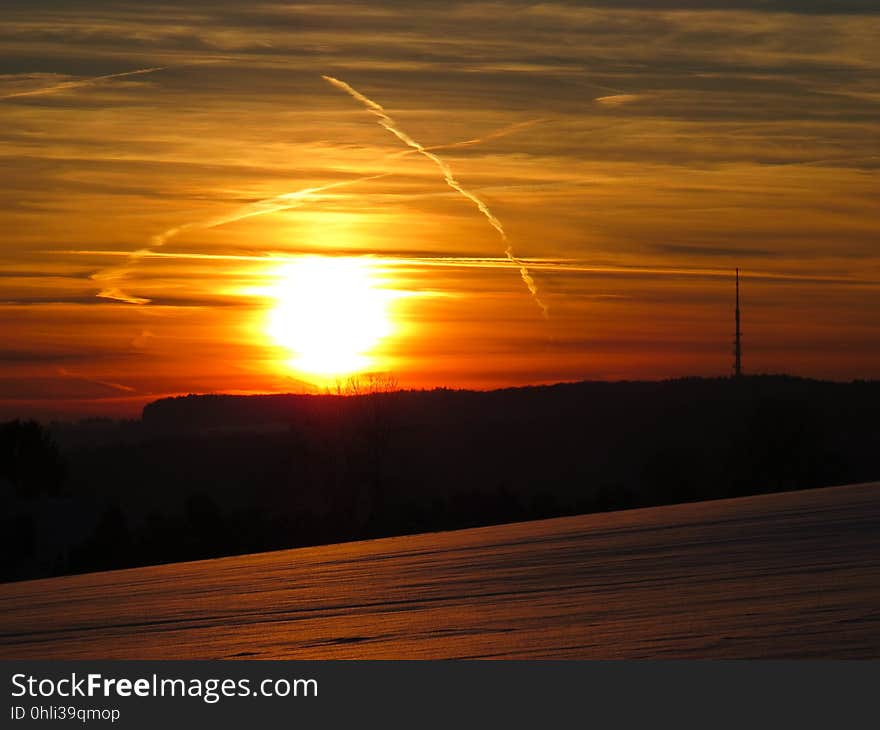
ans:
(782, 575)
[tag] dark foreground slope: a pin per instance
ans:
(783, 575)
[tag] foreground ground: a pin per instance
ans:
(783, 575)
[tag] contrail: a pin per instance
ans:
(503, 132)
(113, 275)
(262, 207)
(106, 383)
(388, 123)
(64, 85)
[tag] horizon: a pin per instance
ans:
(200, 200)
(128, 413)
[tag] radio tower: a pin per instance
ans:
(737, 343)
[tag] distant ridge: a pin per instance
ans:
(218, 410)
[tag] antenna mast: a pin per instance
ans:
(737, 345)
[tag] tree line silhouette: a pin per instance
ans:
(205, 476)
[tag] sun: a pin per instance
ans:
(331, 313)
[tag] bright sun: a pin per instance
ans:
(331, 313)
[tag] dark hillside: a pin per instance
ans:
(203, 476)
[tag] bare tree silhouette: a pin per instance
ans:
(365, 384)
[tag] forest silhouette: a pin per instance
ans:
(212, 475)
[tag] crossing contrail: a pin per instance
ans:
(389, 124)
(111, 277)
(65, 85)
(291, 200)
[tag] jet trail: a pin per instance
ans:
(106, 383)
(285, 201)
(64, 85)
(389, 124)
(503, 132)
(262, 207)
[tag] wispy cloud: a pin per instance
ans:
(547, 265)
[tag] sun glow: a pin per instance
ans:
(331, 313)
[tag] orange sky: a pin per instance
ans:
(157, 239)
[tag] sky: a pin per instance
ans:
(190, 203)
